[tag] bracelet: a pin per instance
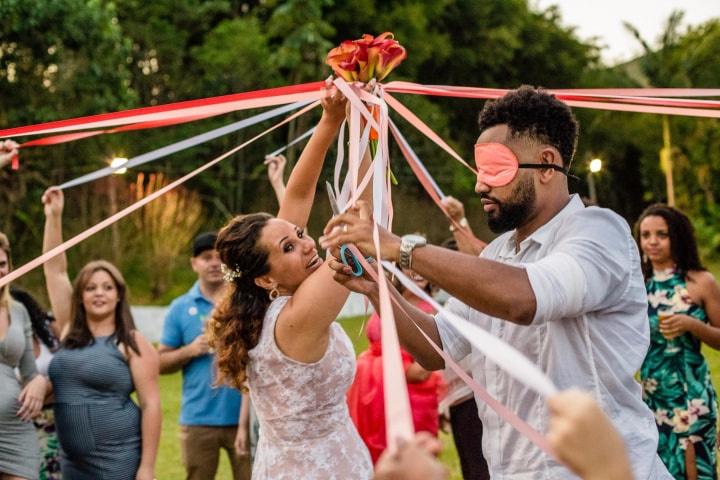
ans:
(463, 223)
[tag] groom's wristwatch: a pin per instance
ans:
(407, 244)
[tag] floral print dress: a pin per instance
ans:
(676, 382)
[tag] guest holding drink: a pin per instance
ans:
(684, 312)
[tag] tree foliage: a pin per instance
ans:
(67, 58)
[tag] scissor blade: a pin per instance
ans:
(331, 197)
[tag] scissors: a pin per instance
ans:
(346, 256)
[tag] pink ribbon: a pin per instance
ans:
(393, 397)
(31, 265)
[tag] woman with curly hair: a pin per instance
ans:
(684, 312)
(275, 330)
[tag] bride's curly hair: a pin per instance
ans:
(236, 322)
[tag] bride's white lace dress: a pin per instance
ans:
(305, 429)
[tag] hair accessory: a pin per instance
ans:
(230, 274)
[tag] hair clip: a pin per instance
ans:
(229, 274)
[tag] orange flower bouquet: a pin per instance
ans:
(366, 58)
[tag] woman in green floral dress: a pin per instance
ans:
(684, 312)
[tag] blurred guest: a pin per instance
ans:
(103, 359)
(684, 312)
(21, 397)
(208, 416)
(366, 395)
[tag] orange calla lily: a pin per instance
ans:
(366, 58)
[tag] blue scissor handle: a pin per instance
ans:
(347, 258)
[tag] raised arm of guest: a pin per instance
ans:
(466, 240)
(8, 149)
(57, 280)
(276, 171)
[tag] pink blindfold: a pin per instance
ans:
(497, 165)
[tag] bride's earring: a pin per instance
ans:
(274, 293)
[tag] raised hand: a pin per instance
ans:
(333, 103)
(454, 208)
(54, 202)
(276, 169)
(8, 149)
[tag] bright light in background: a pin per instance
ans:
(595, 165)
(118, 162)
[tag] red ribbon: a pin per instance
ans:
(203, 107)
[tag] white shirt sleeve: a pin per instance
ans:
(453, 342)
(588, 270)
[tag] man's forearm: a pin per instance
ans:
(406, 317)
(494, 288)
(173, 360)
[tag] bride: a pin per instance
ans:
(275, 329)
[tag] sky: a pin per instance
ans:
(604, 19)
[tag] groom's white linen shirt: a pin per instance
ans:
(590, 331)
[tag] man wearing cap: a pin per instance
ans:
(562, 284)
(209, 415)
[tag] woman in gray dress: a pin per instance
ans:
(103, 434)
(20, 400)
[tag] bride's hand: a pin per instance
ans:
(343, 275)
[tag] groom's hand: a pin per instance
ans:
(364, 284)
(356, 227)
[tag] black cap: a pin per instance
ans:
(204, 241)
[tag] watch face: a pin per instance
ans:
(414, 239)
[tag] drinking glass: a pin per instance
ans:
(672, 346)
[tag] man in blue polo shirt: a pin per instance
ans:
(209, 415)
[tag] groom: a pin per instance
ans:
(562, 284)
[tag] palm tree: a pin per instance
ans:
(659, 70)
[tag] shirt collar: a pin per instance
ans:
(543, 234)
(196, 294)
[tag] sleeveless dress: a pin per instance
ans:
(676, 382)
(98, 425)
(19, 451)
(366, 395)
(305, 429)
